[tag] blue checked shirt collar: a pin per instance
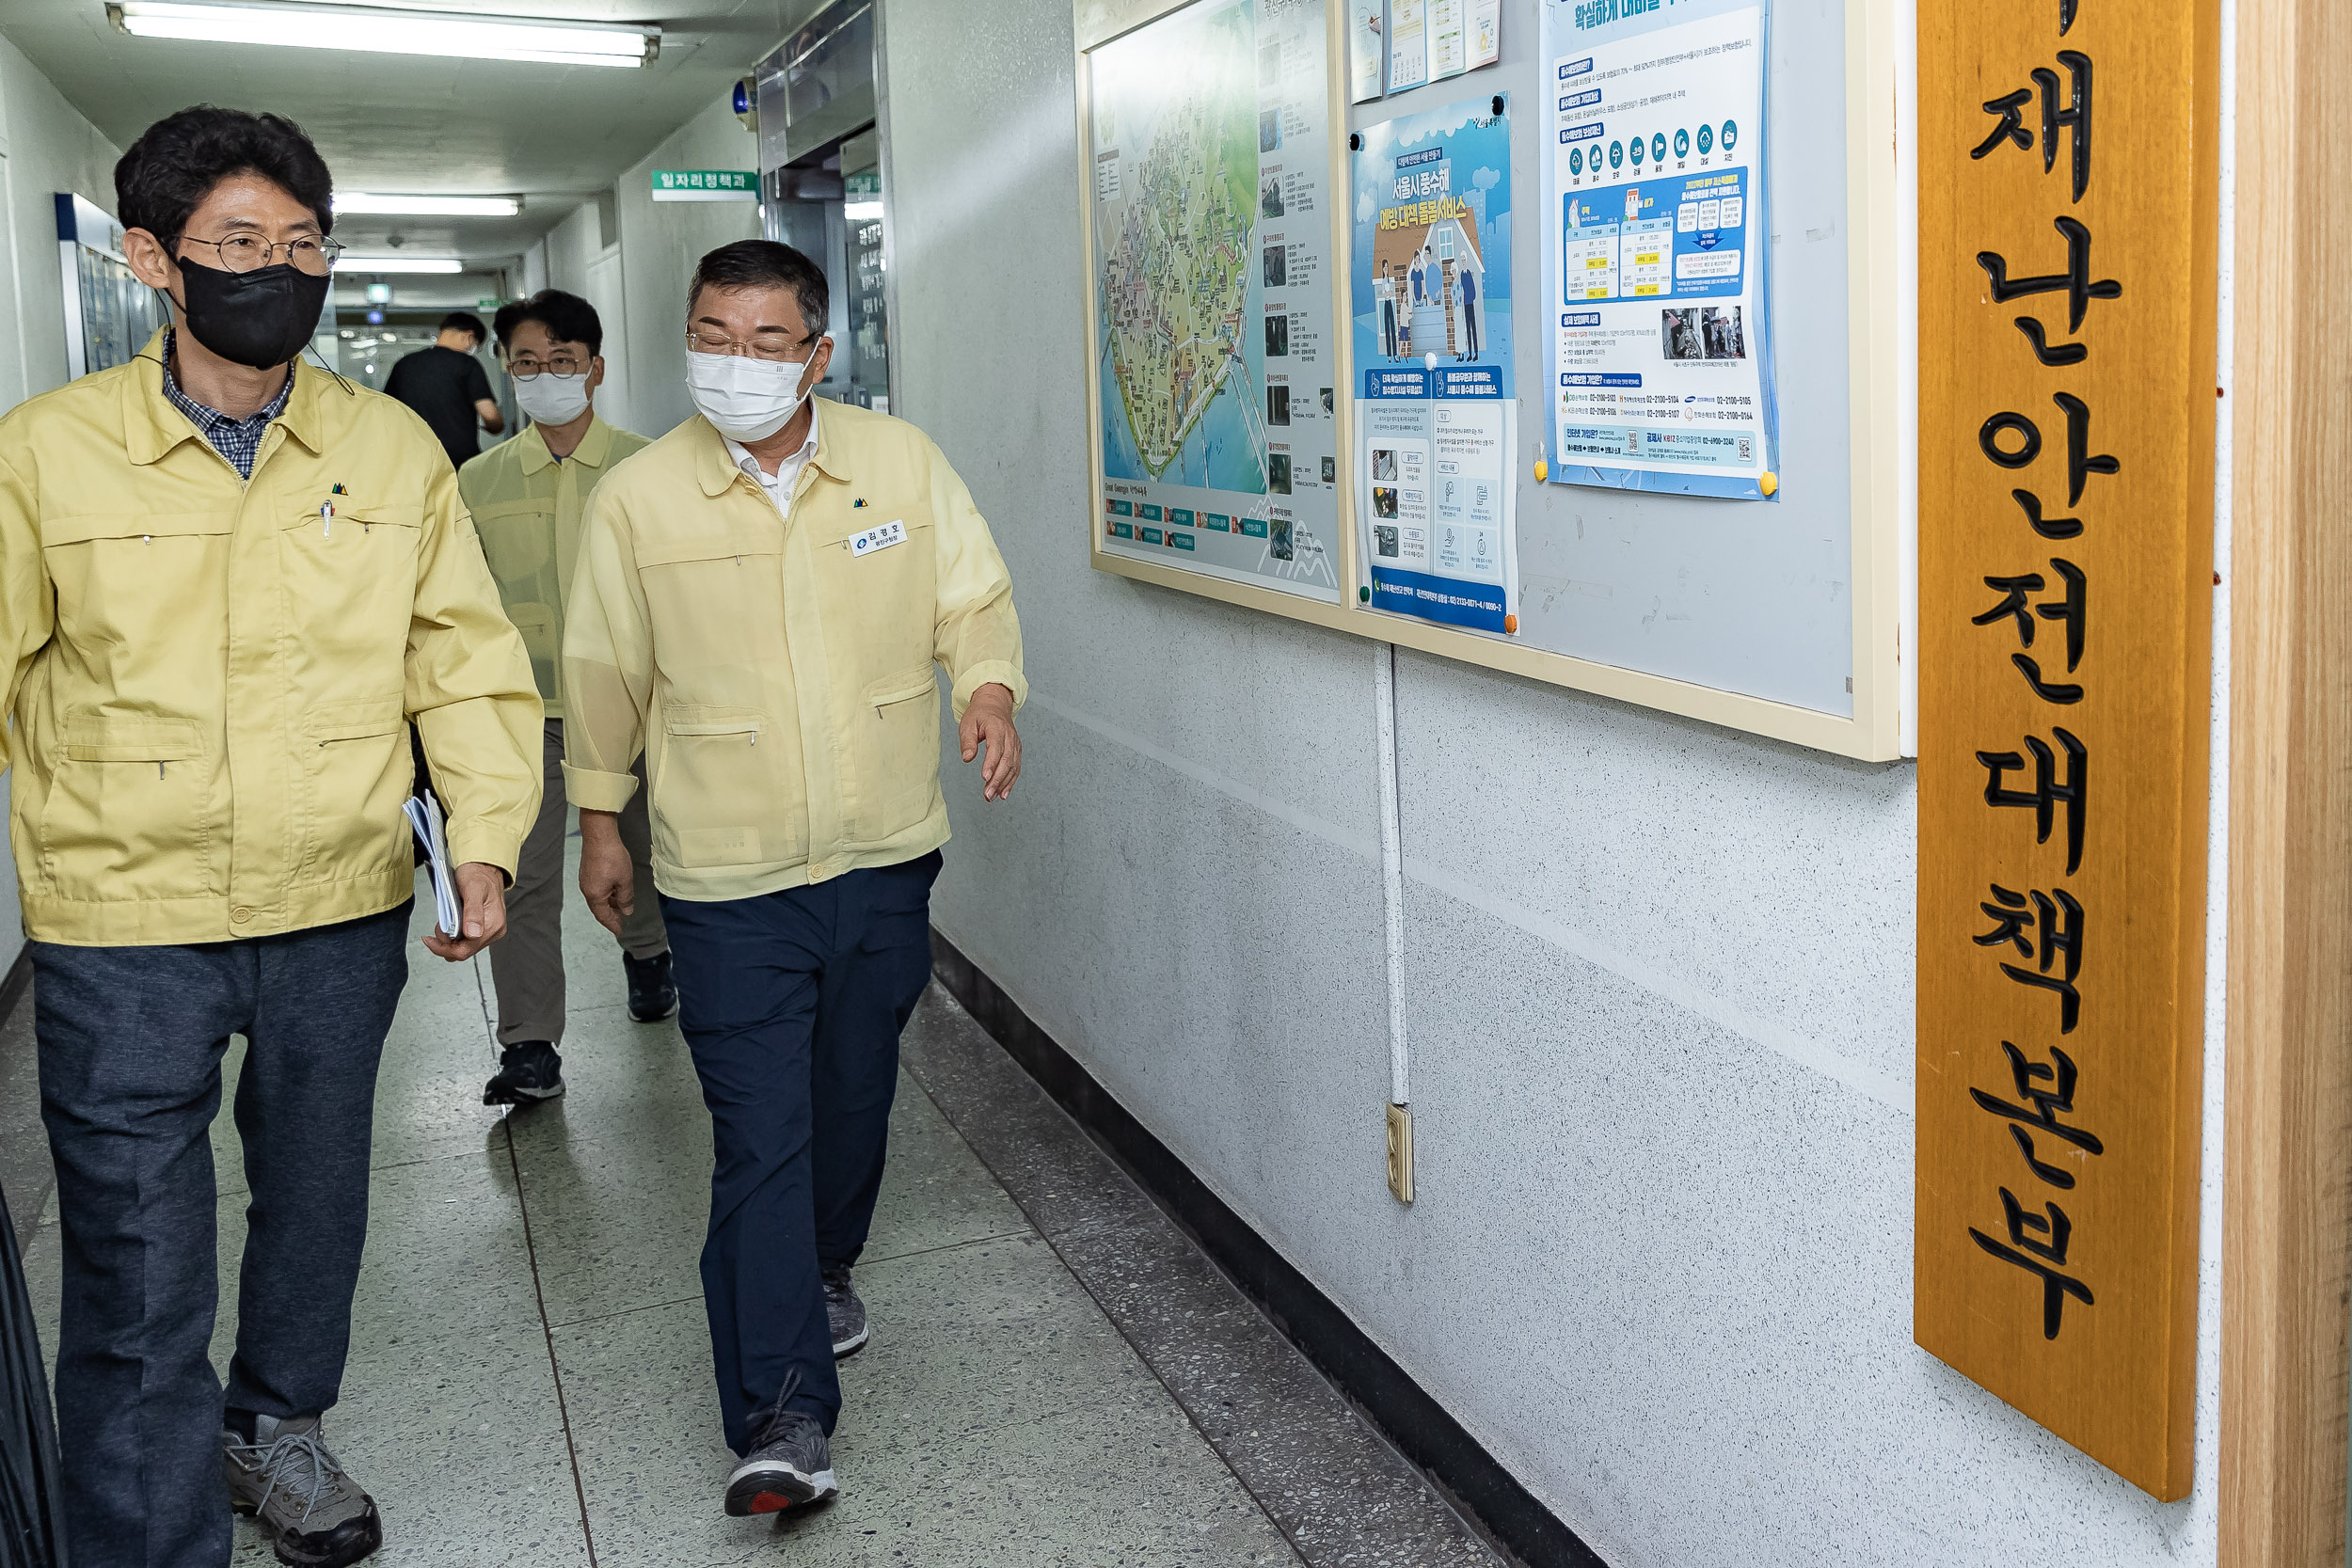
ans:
(238, 440)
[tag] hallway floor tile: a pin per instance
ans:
(529, 1379)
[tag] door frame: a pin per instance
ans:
(2287, 1177)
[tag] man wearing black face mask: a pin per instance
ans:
(228, 584)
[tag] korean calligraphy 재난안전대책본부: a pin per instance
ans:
(2045, 926)
(2068, 235)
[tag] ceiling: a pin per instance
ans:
(410, 124)
(433, 291)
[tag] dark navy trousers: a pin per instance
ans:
(793, 1003)
(131, 1040)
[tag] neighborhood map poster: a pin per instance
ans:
(1209, 144)
(1661, 371)
(1437, 408)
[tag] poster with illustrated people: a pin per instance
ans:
(1436, 409)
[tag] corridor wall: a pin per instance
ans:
(573, 256)
(48, 146)
(1659, 975)
(660, 246)
(45, 147)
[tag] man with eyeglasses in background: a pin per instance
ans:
(526, 496)
(228, 582)
(761, 597)
(447, 388)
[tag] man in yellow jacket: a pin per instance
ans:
(526, 497)
(762, 595)
(228, 585)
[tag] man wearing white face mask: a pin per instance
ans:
(527, 496)
(762, 595)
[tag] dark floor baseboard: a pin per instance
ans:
(1470, 1477)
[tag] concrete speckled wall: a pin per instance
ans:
(660, 242)
(1658, 973)
(45, 147)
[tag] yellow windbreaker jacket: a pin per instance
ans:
(777, 672)
(527, 505)
(210, 680)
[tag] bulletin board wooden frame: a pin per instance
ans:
(1875, 362)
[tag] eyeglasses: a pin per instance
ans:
(555, 364)
(251, 253)
(766, 345)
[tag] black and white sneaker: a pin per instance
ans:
(652, 992)
(844, 1312)
(790, 1465)
(528, 1073)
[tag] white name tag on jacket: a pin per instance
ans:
(893, 533)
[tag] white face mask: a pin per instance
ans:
(745, 398)
(551, 398)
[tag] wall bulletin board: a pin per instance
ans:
(1778, 616)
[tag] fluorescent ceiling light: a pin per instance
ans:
(401, 263)
(428, 206)
(370, 30)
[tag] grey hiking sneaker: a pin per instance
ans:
(789, 1465)
(844, 1312)
(528, 1073)
(316, 1515)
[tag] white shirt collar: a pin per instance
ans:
(778, 485)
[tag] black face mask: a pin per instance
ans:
(260, 318)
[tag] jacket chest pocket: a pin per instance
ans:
(350, 579)
(518, 541)
(881, 602)
(714, 599)
(123, 577)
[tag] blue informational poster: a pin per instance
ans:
(1437, 409)
(1661, 374)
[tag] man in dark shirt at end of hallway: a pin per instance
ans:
(448, 389)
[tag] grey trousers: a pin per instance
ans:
(131, 1040)
(527, 966)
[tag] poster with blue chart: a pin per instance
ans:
(1662, 369)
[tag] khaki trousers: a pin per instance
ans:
(527, 966)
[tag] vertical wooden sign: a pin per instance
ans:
(2067, 234)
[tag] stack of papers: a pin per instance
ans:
(425, 817)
